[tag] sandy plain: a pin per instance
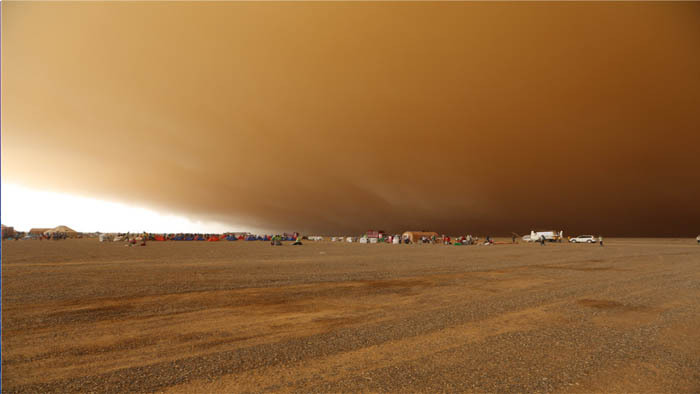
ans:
(81, 316)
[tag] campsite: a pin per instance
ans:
(350, 197)
(90, 316)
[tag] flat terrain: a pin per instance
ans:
(78, 315)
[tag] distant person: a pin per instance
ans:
(513, 238)
(698, 239)
(600, 239)
(542, 240)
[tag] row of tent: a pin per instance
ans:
(216, 238)
(412, 237)
(192, 237)
(380, 237)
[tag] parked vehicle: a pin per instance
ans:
(549, 236)
(583, 239)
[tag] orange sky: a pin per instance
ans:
(341, 117)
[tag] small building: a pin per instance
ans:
(7, 232)
(38, 231)
(375, 234)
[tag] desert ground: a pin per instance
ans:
(79, 315)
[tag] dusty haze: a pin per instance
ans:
(339, 117)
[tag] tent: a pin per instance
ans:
(105, 237)
(38, 231)
(415, 236)
(62, 229)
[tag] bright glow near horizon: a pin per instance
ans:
(24, 208)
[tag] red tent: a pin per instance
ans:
(213, 238)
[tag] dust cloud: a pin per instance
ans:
(339, 117)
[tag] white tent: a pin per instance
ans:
(61, 229)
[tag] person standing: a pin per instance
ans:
(600, 239)
(513, 238)
(542, 240)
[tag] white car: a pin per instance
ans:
(583, 239)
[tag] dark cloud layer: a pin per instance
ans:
(340, 117)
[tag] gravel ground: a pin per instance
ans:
(324, 317)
